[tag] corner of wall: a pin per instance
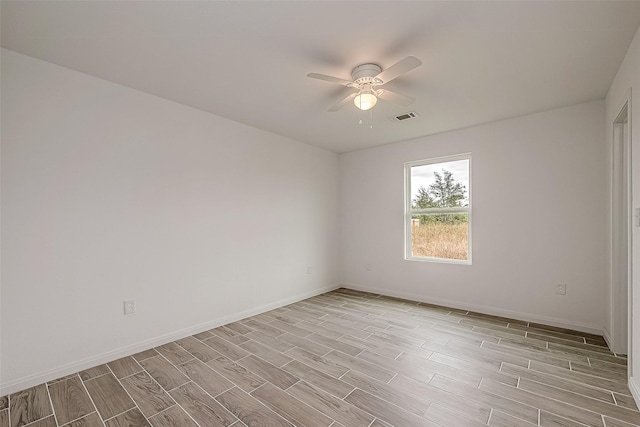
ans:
(635, 390)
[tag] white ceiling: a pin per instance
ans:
(247, 61)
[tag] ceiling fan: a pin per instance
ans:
(367, 79)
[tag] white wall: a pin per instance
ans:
(111, 194)
(627, 81)
(539, 218)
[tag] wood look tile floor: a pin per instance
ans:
(349, 359)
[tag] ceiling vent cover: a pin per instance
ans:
(404, 116)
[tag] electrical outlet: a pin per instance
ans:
(129, 306)
(561, 288)
(309, 270)
(367, 267)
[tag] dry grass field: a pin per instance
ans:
(440, 240)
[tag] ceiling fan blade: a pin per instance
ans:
(340, 105)
(399, 68)
(329, 79)
(396, 98)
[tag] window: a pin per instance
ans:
(438, 209)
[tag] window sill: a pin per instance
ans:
(439, 260)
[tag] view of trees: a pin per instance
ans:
(445, 192)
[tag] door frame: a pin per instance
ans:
(622, 222)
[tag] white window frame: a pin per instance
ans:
(409, 212)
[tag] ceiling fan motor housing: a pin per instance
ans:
(365, 74)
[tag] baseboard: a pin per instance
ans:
(635, 390)
(73, 367)
(582, 327)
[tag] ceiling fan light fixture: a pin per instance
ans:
(365, 101)
(367, 79)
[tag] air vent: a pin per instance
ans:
(404, 116)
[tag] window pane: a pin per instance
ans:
(440, 236)
(440, 185)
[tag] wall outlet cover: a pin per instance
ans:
(561, 289)
(129, 306)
